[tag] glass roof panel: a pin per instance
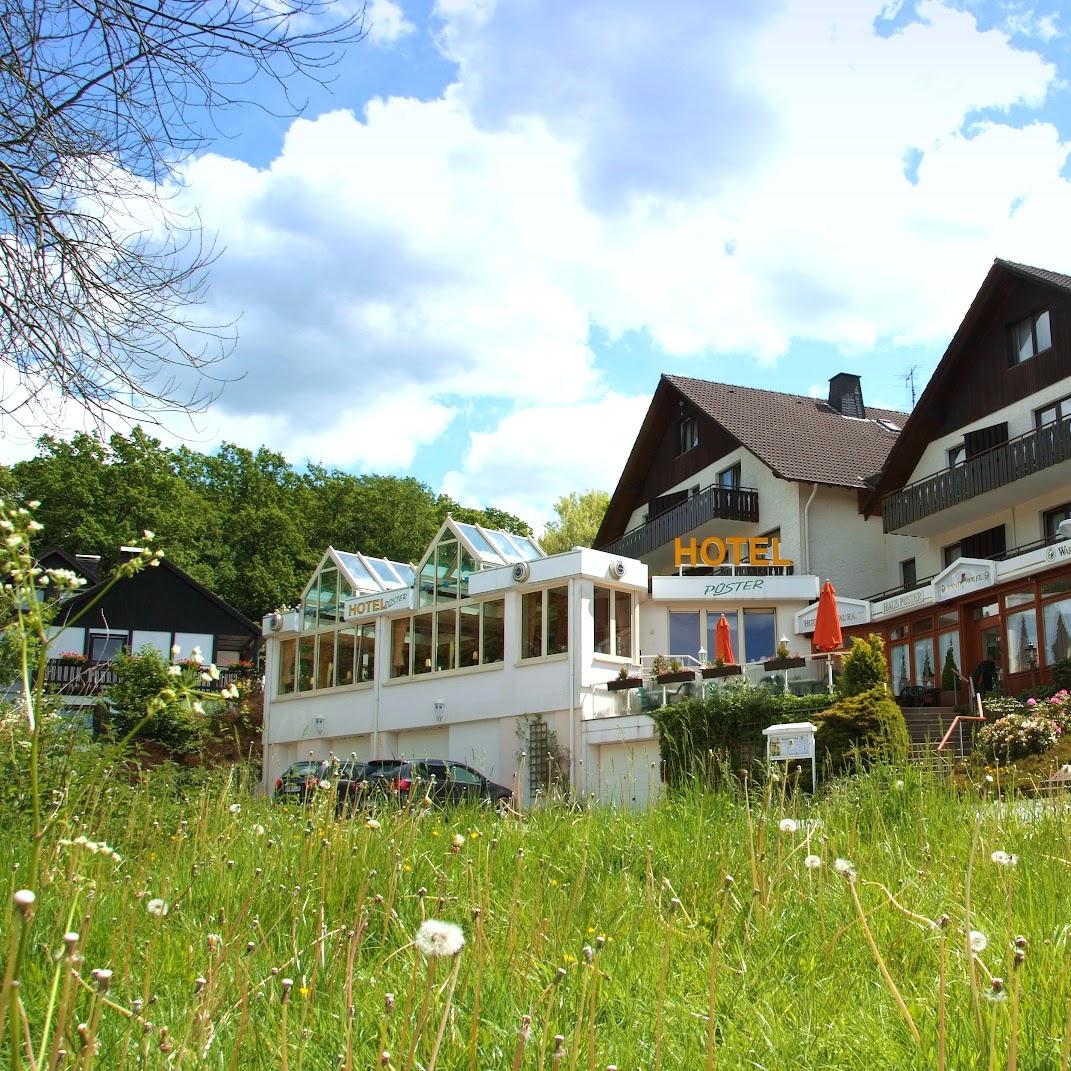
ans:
(382, 569)
(504, 545)
(360, 576)
(529, 547)
(406, 572)
(480, 546)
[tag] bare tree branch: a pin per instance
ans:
(101, 102)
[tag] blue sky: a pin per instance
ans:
(472, 257)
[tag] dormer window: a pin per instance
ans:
(687, 434)
(1030, 337)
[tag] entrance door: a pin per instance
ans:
(986, 647)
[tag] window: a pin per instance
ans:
(545, 622)
(306, 664)
(325, 661)
(687, 434)
(760, 635)
(1030, 337)
(462, 775)
(951, 553)
(1057, 624)
(908, 573)
(287, 660)
(683, 633)
(1059, 410)
(455, 637)
(924, 668)
(898, 667)
(730, 477)
(1021, 633)
(733, 619)
(1050, 521)
(613, 622)
(345, 655)
(988, 544)
(982, 439)
(104, 646)
(956, 455)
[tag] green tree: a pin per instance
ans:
(949, 671)
(864, 666)
(579, 517)
(863, 727)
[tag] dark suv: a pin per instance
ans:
(401, 780)
(299, 780)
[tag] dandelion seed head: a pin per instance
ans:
(788, 825)
(437, 938)
(812, 862)
(844, 866)
(1004, 859)
(157, 907)
(235, 808)
(978, 941)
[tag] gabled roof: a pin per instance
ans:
(798, 437)
(917, 431)
(490, 547)
(366, 574)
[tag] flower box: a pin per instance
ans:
(620, 684)
(679, 677)
(784, 663)
(721, 671)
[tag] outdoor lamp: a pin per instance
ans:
(1032, 656)
(702, 655)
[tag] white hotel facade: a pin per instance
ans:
(939, 530)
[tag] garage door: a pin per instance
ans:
(424, 744)
(630, 774)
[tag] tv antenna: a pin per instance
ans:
(908, 379)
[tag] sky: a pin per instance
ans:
(471, 258)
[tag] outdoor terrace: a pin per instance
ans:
(89, 678)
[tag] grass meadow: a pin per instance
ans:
(715, 930)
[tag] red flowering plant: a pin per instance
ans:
(72, 658)
(1057, 708)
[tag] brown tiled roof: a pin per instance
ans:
(799, 438)
(1054, 278)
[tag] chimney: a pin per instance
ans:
(846, 395)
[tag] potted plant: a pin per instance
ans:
(624, 680)
(72, 658)
(670, 672)
(784, 659)
(719, 668)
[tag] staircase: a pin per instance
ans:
(926, 726)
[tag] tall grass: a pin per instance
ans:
(689, 936)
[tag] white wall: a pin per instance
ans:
(156, 641)
(66, 641)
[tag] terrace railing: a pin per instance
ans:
(712, 503)
(999, 466)
(89, 678)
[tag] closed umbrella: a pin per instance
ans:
(723, 642)
(827, 634)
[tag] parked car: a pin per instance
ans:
(445, 781)
(299, 780)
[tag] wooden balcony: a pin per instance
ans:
(712, 503)
(1023, 456)
(90, 678)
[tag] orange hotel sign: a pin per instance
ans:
(732, 550)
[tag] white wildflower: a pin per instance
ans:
(325, 784)
(235, 808)
(259, 830)
(458, 840)
(371, 823)
(989, 778)
(196, 655)
(788, 825)
(206, 678)
(1004, 859)
(812, 862)
(978, 941)
(157, 907)
(176, 650)
(197, 708)
(175, 671)
(213, 672)
(899, 786)
(845, 867)
(435, 938)
(148, 535)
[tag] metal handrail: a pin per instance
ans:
(957, 723)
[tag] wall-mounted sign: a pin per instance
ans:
(962, 577)
(735, 588)
(850, 612)
(371, 605)
(791, 741)
(732, 550)
(898, 603)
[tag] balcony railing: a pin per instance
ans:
(712, 503)
(89, 678)
(1022, 456)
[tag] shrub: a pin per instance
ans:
(862, 728)
(141, 679)
(864, 667)
(1061, 673)
(1056, 708)
(999, 706)
(1015, 736)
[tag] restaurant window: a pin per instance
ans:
(464, 636)
(1050, 414)
(287, 661)
(306, 663)
(760, 635)
(366, 652)
(445, 640)
(1030, 336)
(532, 624)
(956, 455)
(602, 620)
(558, 620)
(924, 668)
(1050, 521)
(1058, 586)
(325, 661)
(623, 624)
(732, 617)
(687, 434)
(1018, 598)
(469, 635)
(1021, 633)
(400, 644)
(949, 641)
(345, 655)
(898, 667)
(613, 622)
(908, 573)
(494, 631)
(990, 609)
(1056, 621)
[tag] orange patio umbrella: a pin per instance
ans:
(827, 634)
(723, 642)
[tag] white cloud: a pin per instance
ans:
(723, 184)
(386, 22)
